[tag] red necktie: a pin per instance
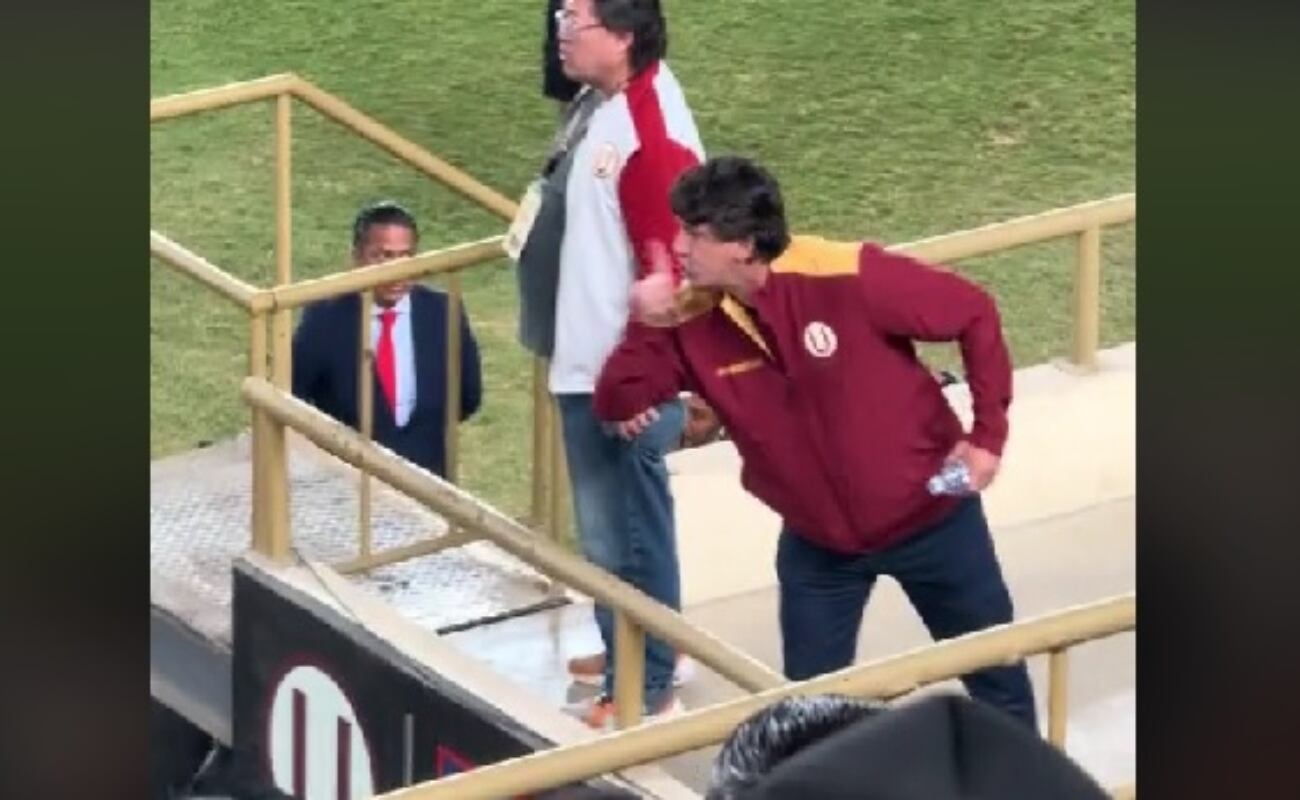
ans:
(386, 361)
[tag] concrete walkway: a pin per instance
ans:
(199, 521)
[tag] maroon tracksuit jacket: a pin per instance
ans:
(838, 423)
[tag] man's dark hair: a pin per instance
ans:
(777, 732)
(555, 84)
(384, 212)
(738, 200)
(644, 19)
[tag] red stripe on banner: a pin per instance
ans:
(344, 791)
(299, 745)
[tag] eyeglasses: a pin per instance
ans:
(566, 23)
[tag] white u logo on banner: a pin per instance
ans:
(317, 748)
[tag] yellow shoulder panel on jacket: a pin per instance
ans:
(738, 315)
(690, 302)
(816, 257)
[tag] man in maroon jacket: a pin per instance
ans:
(805, 349)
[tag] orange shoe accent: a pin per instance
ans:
(602, 713)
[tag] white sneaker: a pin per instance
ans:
(589, 670)
(683, 670)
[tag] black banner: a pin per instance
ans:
(322, 713)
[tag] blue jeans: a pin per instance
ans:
(624, 515)
(950, 574)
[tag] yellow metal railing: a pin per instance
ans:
(885, 679)
(274, 409)
(1084, 221)
(244, 295)
(468, 512)
(636, 613)
(270, 355)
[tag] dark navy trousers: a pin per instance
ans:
(950, 574)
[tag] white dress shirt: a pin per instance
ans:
(403, 356)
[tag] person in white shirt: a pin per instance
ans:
(640, 137)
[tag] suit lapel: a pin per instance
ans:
(419, 345)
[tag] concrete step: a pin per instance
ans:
(190, 674)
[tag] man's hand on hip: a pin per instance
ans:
(982, 464)
(631, 428)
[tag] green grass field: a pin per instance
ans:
(888, 120)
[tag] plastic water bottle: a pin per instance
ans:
(953, 479)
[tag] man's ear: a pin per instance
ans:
(625, 41)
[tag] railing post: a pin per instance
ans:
(1087, 300)
(629, 671)
(453, 377)
(550, 484)
(559, 518)
(282, 319)
(366, 417)
(275, 448)
(542, 486)
(261, 430)
(1057, 694)
(272, 473)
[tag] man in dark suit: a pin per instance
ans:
(409, 335)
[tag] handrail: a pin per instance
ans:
(248, 297)
(335, 109)
(403, 148)
(232, 94)
(474, 515)
(947, 247)
(969, 243)
(1021, 231)
(270, 534)
(1084, 221)
(359, 279)
(883, 679)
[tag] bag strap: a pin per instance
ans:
(573, 126)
